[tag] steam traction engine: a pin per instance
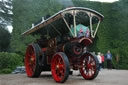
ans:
(64, 38)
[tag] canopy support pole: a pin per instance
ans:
(74, 23)
(68, 26)
(96, 28)
(91, 26)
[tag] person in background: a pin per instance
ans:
(102, 58)
(117, 58)
(99, 59)
(93, 53)
(108, 57)
(117, 61)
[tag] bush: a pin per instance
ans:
(5, 71)
(9, 61)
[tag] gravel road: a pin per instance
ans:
(105, 77)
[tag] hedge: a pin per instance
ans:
(9, 61)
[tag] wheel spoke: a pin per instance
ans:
(93, 65)
(62, 73)
(56, 62)
(28, 55)
(57, 73)
(94, 69)
(32, 70)
(59, 60)
(91, 71)
(87, 72)
(61, 66)
(29, 64)
(91, 60)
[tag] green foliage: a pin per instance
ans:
(4, 39)
(9, 61)
(5, 20)
(5, 13)
(5, 71)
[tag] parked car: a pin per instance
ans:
(19, 69)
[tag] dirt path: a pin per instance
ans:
(105, 77)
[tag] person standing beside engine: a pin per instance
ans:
(102, 57)
(108, 58)
(100, 60)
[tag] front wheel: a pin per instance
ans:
(89, 66)
(60, 67)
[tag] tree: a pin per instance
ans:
(4, 39)
(5, 20)
(5, 13)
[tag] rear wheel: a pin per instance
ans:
(89, 66)
(60, 67)
(31, 61)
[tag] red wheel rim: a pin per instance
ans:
(88, 67)
(30, 61)
(58, 67)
